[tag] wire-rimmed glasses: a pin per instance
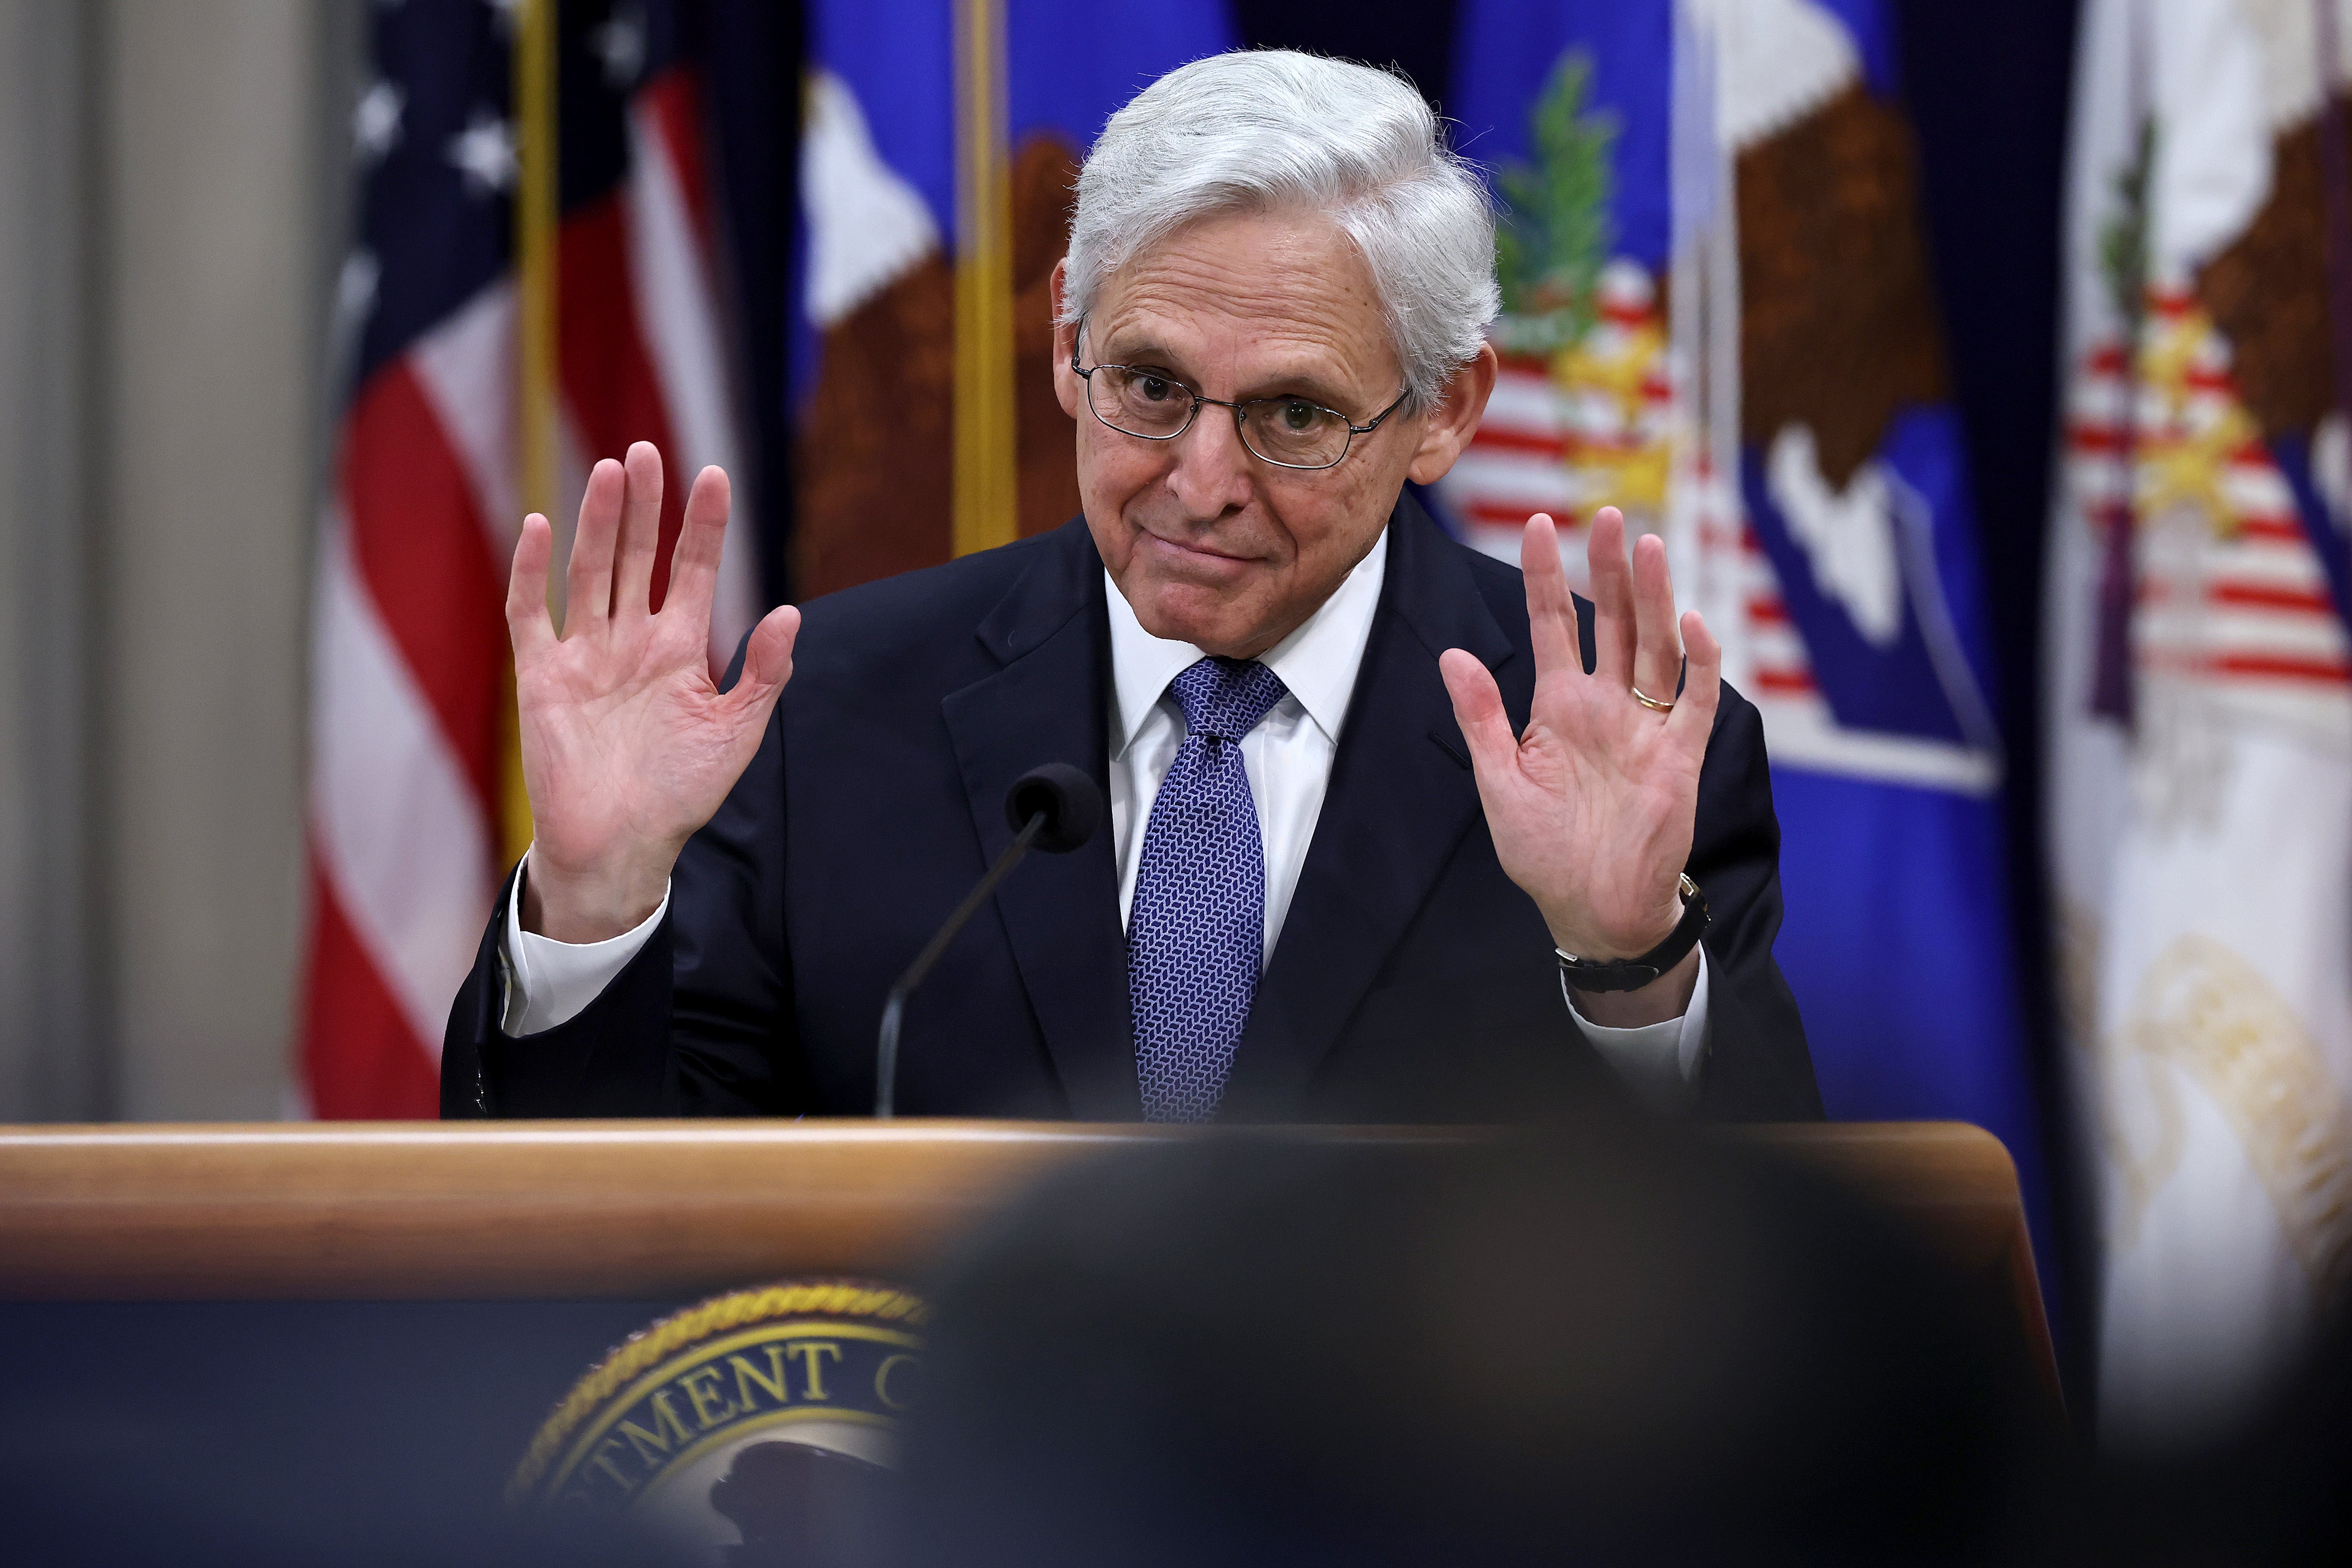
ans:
(1290, 432)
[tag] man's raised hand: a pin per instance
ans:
(628, 746)
(1592, 809)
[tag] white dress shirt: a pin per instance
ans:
(1288, 758)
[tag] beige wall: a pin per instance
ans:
(210, 203)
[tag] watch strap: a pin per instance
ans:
(1633, 973)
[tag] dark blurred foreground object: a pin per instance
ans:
(1603, 1344)
(2278, 1494)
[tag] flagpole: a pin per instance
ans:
(985, 496)
(535, 380)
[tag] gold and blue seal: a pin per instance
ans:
(762, 1422)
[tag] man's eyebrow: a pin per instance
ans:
(1310, 387)
(1297, 384)
(1144, 351)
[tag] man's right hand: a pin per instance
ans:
(628, 746)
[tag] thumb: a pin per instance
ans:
(1479, 708)
(767, 659)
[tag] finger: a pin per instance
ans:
(1694, 714)
(767, 661)
(526, 620)
(1657, 652)
(1479, 708)
(694, 563)
(1613, 598)
(1551, 608)
(633, 585)
(588, 581)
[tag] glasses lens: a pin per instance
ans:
(1294, 431)
(1138, 401)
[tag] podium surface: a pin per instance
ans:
(421, 1211)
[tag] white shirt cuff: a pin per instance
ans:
(550, 982)
(1660, 1061)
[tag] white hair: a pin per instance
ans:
(1273, 129)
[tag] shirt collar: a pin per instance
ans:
(1318, 662)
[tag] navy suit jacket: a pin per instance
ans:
(1412, 980)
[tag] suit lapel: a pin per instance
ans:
(1401, 795)
(1049, 702)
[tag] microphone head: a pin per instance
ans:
(1072, 804)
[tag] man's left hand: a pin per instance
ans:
(1592, 809)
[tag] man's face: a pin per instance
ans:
(1210, 544)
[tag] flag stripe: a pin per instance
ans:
(420, 548)
(607, 377)
(668, 112)
(359, 1058)
(675, 301)
(396, 825)
(466, 367)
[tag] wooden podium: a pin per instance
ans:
(426, 1210)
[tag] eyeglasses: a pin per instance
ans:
(1288, 432)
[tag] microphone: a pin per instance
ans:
(1055, 808)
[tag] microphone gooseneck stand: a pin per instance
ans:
(894, 1008)
(1056, 808)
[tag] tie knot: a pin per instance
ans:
(1225, 698)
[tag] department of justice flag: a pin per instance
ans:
(1719, 318)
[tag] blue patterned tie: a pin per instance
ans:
(1196, 930)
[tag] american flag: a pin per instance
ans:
(409, 730)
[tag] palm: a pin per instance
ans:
(628, 744)
(1591, 807)
(625, 740)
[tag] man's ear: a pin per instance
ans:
(1066, 389)
(1454, 418)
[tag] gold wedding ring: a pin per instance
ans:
(1651, 703)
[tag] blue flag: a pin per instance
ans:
(1718, 318)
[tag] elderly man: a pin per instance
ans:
(1394, 835)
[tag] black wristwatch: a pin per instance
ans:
(1633, 973)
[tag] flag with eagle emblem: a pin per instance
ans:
(2200, 700)
(1718, 317)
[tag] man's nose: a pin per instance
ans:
(1212, 473)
